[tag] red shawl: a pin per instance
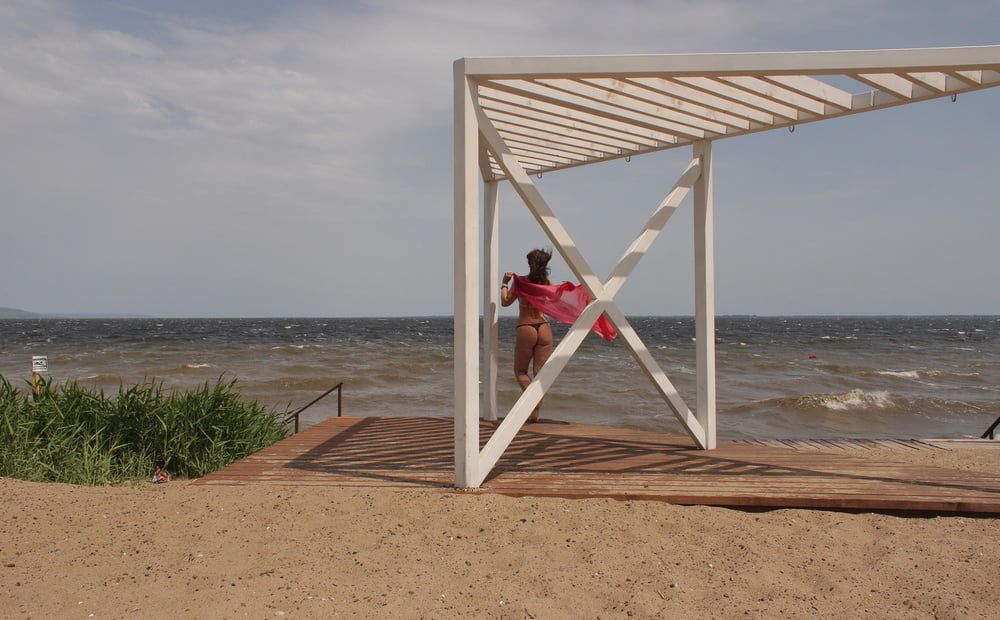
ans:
(563, 302)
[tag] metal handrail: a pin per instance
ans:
(990, 431)
(340, 404)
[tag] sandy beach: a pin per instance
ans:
(180, 550)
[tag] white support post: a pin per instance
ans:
(491, 296)
(704, 293)
(466, 282)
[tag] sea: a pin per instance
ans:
(778, 377)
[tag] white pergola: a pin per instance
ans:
(515, 117)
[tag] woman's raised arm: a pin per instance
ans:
(506, 296)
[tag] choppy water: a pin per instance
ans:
(777, 377)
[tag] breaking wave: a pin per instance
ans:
(905, 374)
(854, 399)
(921, 374)
(857, 400)
(861, 401)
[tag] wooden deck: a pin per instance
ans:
(560, 459)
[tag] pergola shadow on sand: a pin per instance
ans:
(515, 117)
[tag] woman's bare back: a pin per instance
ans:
(528, 313)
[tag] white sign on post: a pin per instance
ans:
(39, 363)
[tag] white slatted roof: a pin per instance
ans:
(561, 112)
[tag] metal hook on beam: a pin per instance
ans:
(954, 97)
(791, 129)
(628, 158)
(539, 175)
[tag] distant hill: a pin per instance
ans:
(14, 313)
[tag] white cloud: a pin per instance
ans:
(319, 117)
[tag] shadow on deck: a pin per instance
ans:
(561, 459)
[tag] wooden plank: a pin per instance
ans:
(546, 148)
(538, 95)
(893, 84)
(561, 123)
(491, 92)
(632, 99)
(742, 97)
(811, 87)
(537, 90)
(657, 97)
(555, 459)
(778, 94)
(686, 94)
(553, 139)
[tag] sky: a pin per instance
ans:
(251, 158)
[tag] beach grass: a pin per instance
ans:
(80, 435)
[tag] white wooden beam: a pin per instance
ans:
(485, 169)
(703, 98)
(634, 99)
(892, 89)
(665, 99)
(572, 124)
(971, 78)
(704, 294)
(547, 159)
(691, 424)
(811, 87)
(654, 136)
(532, 395)
(539, 208)
(557, 133)
(550, 142)
(466, 281)
(940, 82)
(534, 147)
(859, 103)
(876, 99)
(740, 96)
(552, 138)
(755, 63)
(633, 112)
(532, 162)
(933, 81)
(671, 132)
(651, 230)
(775, 93)
(893, 84)
(491, 295)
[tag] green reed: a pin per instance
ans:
(74, 434)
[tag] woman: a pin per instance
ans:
(534, 334)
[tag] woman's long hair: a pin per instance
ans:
(538, 263)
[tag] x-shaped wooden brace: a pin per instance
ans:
(602, 296)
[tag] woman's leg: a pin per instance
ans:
(524, 348)
(540, 355)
